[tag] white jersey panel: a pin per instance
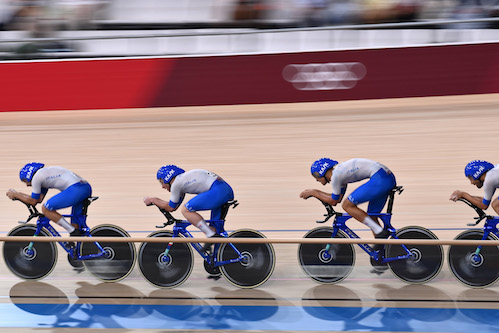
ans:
(491, 183)
(352, 171)
(54, 177)
(193, 182)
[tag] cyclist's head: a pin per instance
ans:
(28, 171)
(475, 169)
(321, 166)
(167, 172)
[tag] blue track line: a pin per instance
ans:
(280, 318)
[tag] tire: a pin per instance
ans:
(323, 269)
(167, 272)
(479, 272)
(256, 267)
(30, 266)
(119, 259)
(426, 262)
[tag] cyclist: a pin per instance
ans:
(375, 191)
(212, 193)
(74, 191)
(481, 174)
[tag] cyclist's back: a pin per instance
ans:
(54, 177)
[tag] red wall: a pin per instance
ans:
(248, 79)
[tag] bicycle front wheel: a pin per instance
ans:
(477, 270)
(257, 264)
(165, 271)
(30, 264)
(425, 261)
(323, 266)
(119, 258)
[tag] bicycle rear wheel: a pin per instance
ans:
(119, 259)
(425, 262)
(327, 268)
(165, 271)
(478, 271)
(31, 264)
(257, 265)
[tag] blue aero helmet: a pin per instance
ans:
(168, 172)
(475, 169)
(321, 166)
(28, 171)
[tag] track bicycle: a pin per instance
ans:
(107, 261)
(243, 265)
(476, 266)
(332, 263)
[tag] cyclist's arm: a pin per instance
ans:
(322, 196)
(159, 203)
(15, 195)
(475, 200)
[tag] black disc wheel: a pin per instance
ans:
(165, 271)
(118, 259)
(30, 263)
(256, 265)
(327, 267)
(425, 261)
(477, 270)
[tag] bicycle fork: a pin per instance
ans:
(476, 258)
(29, 249)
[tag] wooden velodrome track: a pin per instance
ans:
(264, 152)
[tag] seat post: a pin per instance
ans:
(87, 203)
(391, 198)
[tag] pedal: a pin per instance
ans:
(76, 264)
(214, 277)
(378, 268)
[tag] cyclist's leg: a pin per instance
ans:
(84, 192)
(73, 195)
(376, 192)
(213, 199)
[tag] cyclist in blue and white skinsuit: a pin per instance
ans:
(481, 174)
(74, 191)
(375, 191)
(212, 193)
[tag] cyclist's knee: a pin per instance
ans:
(184, 210)
(347, 205)
(45, 210)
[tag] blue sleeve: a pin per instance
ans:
(486, 202)
(338, 196)
(173, 204)
(37, 195)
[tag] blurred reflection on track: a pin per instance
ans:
(411, 308)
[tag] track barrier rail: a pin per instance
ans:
(249, 240)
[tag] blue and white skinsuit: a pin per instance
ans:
(375, 191)
(490, 184)
(74, 189)
(212, 191)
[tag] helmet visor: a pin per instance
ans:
(316, 174)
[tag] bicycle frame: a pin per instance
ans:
(180, 228)
(211, 259)
(340, 220)
(44, 222)
(490, 225)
